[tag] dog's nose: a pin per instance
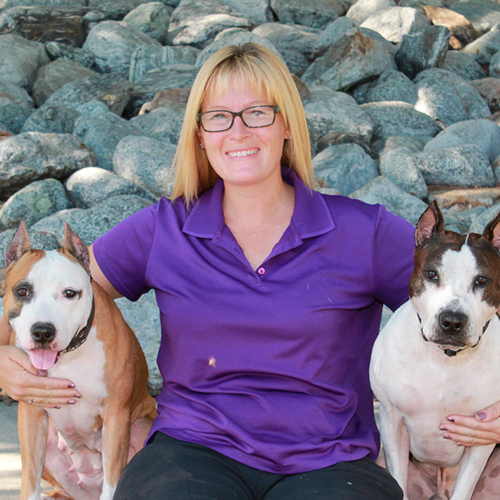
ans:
(452, 322)
(43, 333)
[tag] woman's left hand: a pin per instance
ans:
(481, 429)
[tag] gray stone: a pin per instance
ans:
(399, 166)
(481, 220)
(463, 64)
(93, 222)
(56, 119)
(13, 116)
(34, 202)
(382, 190)
(447, 97)
(90, 186)
(170, 98)
(494, 69)
(396, 22)
(20, 60)
(145, 161)
(462, 166)
(152, 19)
(412, 144)
(55, 75)
(345, 167)
(399, 118)
(315, 14)
(483, 14)
(115, 9)
(485, 47)
(163, 124)
(489, 89)
(147, 57)
(342, 28)
(482, 133)
(329, 111)
(33, 156)
(350, 61)
(113, 43)
(363, 9)
(102, 133)
(7, 4)
(92, 108)
(295, 43)
(257, 11)
(197, 23)
(390, 86)
(111, 89)
(57, 50)
(423, 49)
(13, 94)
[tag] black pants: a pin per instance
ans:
(169, 469)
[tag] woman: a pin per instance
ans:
(270, 297)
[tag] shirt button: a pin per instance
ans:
(261, 271)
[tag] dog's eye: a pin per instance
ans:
(431, 275)
(22, 292)
(69, 294)
(481, 280)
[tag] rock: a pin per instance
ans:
(8, 4)
(387, 144)
(55, 75)
(342, 28)
(351, 61)
(489, 89)
(20, 60)
(423, 49)
(115, 10)
(483, 14)
(396, 22)
(463, 64)
(14, 116)
(461, 166)
(101, 133)
(363, 9)
(329, 111)
(463, 199)
(33, 156)
(257, 11)
(55, 119)
(315, 15)
(147, 57)
(90, 186)
(295, 43)
(112, 43)
(486, 46)
(63, 24)
(382, 190)
(57, 50)
(336, 137)
(399, 118)
(168, 98)
(448, 98)
(482, 133)
(345, 167)
(197, 23)
(34, 202)
(163, 124)
(13, 94)
(146, 162)
(480, 222)
(111, 89)
(399, 166)
(494, 69)
(152, 19)
(391, 86)
(462, 31)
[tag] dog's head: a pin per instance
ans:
(48, 297)
(455, 285)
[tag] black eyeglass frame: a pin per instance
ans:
(234, 114)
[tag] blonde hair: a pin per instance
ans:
(230, 65)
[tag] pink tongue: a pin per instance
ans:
(42, 359)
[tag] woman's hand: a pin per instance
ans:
(23, 382)
(483, 428)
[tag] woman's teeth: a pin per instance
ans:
(242, 153)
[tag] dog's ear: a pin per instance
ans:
(19, 245)
(76, 247)
(430, 222)
(492, 232)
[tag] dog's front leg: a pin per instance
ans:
(471, 467)
(396, 444)
(33, 425)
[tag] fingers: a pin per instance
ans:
(489, 414)
(469, 431)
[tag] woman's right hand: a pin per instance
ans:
(23, 382)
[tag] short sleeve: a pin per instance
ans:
(393, 254)
(123, 253)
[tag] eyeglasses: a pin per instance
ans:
(253, 117)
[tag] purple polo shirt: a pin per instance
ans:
(268, 367)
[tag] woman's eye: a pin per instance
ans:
(69, 294)
(431, 275)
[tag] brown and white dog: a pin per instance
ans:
(439, 354)
(72, 329)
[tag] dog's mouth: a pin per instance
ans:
(43, 359)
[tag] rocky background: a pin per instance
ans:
(402, 102)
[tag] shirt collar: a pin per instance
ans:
(311, 216)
